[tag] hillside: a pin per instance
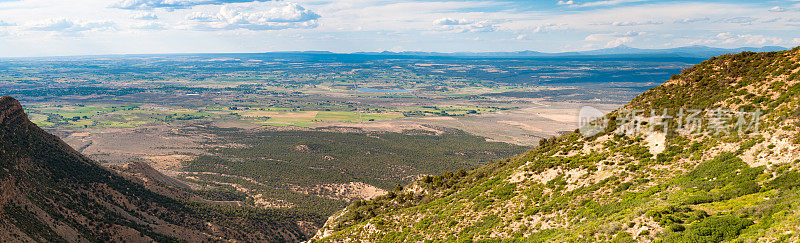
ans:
(51, 193)
(716, 160)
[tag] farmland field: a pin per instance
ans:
(312, 132)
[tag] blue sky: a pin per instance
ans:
(78, 27)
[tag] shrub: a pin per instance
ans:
(677, 228)
(721, 178)
(789, 180)
(713, 229)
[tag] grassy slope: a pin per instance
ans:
(704, 188)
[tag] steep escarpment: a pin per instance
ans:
(49, 192)
(711, 155)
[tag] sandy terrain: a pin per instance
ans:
(400, 125)
(524, 126)
(159, 146)
(168, 164)
(257, 113)
(342, 191)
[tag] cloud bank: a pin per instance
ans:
(70, 26)
(461, 25)
(145, 16)
(255, 17)
(157, 26)
(175, 4)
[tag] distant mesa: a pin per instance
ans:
(696, 51)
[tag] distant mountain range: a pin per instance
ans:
(687, 51)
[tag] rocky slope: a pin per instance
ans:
(49, 192)
(711, 155)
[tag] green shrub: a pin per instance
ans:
(724, 177)
(677, 228)
(712, 229)
(789, 180)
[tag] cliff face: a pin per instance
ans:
(711, 155)
(49, 192)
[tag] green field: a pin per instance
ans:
(121, 116)
(109, 116)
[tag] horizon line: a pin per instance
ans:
(579, 53)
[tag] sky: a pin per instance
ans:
(92, 27)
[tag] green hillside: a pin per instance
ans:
(716, 160)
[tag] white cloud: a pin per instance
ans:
(4, 23)
(636, 23)
(482, 26)
(174, 4)
(258, 16)
(149, 26)
(739, 20)
(613, 39)
(608, 3)
(777, 9)
(651, 17)
(202, 17)
(570, 2)
(692, 20)
(410, 17)
(69, 26)
(449, 21)
(773, 20)
(728, 38)
(145, 16)
(619, 41)
(358, 25)
(461, 25)
(547, 27)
